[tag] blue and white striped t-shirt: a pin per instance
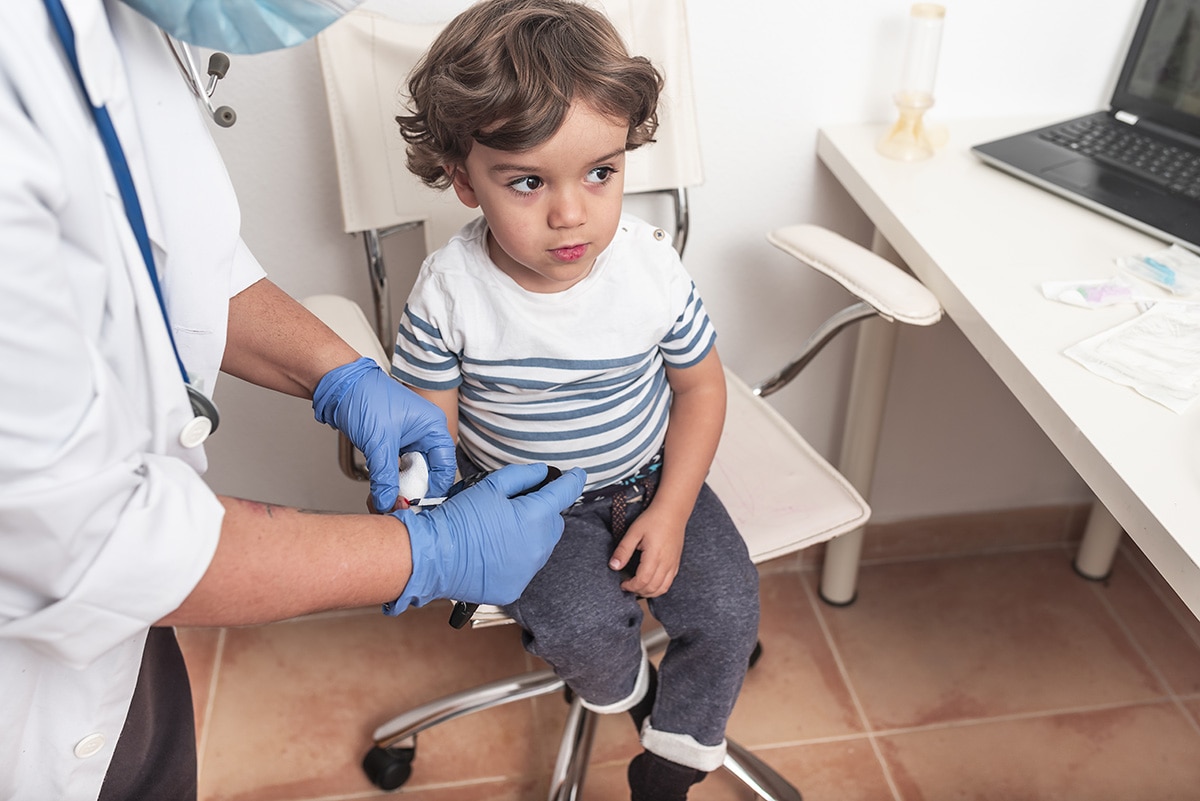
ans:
(574, 378)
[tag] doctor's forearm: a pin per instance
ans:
(274, 563)
(274, 342)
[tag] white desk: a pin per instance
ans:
(983, 242)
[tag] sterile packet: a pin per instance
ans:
(1157, 353)
(1175, 269)
(1091, 294)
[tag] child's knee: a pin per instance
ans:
(593, 632)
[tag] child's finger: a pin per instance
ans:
(623, 552)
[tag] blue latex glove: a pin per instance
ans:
(483, 545)
(383, 418)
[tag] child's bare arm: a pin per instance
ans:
(694, 429)
(447, 401)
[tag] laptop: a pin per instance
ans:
(1139, 161)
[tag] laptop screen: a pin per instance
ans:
(1160, 80)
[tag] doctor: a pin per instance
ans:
(122, 276)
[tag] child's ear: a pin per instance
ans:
(462, 185)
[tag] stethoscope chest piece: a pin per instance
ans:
(195, 432)
(205, 422)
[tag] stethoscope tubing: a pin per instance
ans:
(218, 65)
(202, 406)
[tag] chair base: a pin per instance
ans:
(758, 775)
(389, 768)
(389, 763)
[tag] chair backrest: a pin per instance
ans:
(365, 60)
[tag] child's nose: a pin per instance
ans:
(568, 209)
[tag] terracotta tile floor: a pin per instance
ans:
(997, 675)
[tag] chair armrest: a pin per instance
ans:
(892, 292)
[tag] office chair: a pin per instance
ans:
(782, 495)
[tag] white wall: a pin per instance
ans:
(768, 75)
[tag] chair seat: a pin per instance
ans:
(781, 493)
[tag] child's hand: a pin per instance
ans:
(660, 539)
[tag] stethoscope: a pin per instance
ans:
(218, 65)
(205, 417)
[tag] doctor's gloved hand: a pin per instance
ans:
(482, 545)
(383, 418)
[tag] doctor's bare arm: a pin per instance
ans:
(273, 563)
(274, 342)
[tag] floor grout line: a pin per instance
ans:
(1030, 715)
(1187, 715)
(814, 602)
(962, 723)
(210, 702)
(1138, 570)
(340, 797)
(1169, 696)
(995, 550)
(1097, 589)
(1156, 587)
(1066, 545)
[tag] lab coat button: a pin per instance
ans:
(660, 234)
(89, 746)
(195, 432)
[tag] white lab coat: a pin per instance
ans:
(105, 523)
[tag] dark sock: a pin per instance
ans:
(652, 778)
(641, 710)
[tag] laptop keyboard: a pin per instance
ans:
(1170, 166)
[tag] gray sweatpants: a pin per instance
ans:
(576, 617)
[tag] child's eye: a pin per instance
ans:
(526, 184)
(600, 175)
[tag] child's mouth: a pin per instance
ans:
(571, 253)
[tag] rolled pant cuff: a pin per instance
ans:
(630, 701)
(683, 749)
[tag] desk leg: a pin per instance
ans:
(1098, 548)
(860, 441)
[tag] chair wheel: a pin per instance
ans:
(388, 768)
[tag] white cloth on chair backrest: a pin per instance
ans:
(657, 29)
(365, 59)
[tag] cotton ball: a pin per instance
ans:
(414, 476)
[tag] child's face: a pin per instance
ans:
(552, 209)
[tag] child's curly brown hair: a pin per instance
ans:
(504, 73)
